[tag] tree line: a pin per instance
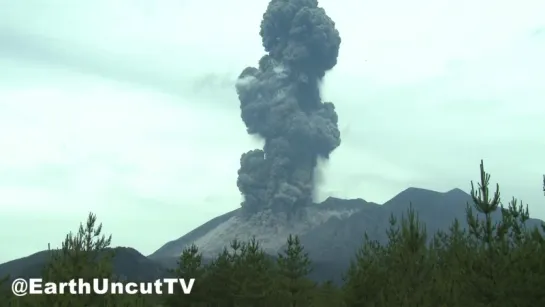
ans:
(486, 264)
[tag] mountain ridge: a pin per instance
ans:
(331, 232)
(331, 207)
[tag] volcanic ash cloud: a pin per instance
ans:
(280, 101)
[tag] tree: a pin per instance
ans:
(294, 265)
(220, 289)
(364, 282)
(254, 276)
(409, 264)
(450, 251)
(488, 266)
(506, 263)
(84, 255)
(190, 265)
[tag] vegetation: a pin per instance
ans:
(488, 264)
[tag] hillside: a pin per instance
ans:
(331, 232)
(128, 263)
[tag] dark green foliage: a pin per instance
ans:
(221, 272)
(4, 289)
(84, 255)
(492, 264)
(253, 276)
(293, 268)
(327, 294)
(189, 266)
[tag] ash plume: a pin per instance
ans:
(280, 101)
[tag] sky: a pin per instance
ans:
(127, 109)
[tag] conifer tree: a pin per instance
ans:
(409, 264)
(254, 276)
(486, 204)
(221, 288)
(190, 265)
(487, 264)
(363, 281)
(394, 274)
(84, 255)
(450, 251)
(294, 265)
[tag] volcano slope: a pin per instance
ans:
(331, 231)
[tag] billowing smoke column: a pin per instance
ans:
(280, 101)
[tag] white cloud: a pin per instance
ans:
(128, 108)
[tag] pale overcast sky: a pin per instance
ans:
(127, 108)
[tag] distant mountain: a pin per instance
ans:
(128, 264)
(331, 232)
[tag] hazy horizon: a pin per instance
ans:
(114, 108)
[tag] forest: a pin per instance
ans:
(488, 264)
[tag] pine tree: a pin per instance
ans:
(398, 273)
(294, 265)
(450, 252)
(190, 265)
(84, 255)
(409, 265)
(486, 204)
(221, 286)
(488, 262)
(363, 282)
(254, 276)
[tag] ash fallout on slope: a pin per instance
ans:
(280, 101)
